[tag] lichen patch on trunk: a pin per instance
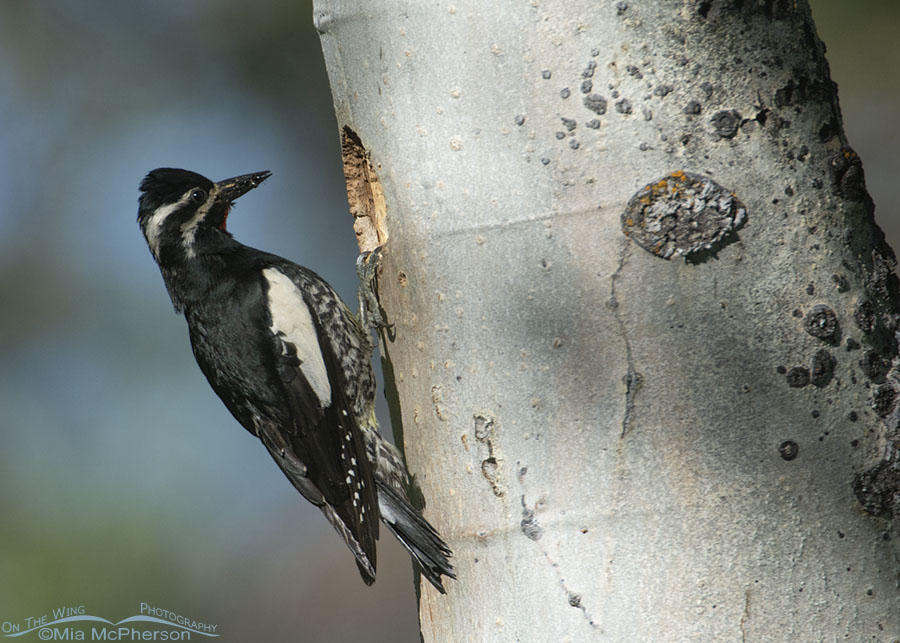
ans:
(683, 213)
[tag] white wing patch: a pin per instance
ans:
(291, 319)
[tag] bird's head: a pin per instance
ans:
(180, 211)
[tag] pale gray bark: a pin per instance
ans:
(601, 433)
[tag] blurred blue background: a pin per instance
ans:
(122, 477)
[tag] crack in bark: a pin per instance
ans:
(632, 378)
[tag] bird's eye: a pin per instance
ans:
(198, 195)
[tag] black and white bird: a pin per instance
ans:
(290, 362)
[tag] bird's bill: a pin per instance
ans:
(230, 189)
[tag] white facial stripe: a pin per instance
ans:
(153, 227)
(189, 228)
(292, 319)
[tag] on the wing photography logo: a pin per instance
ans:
(75, 623)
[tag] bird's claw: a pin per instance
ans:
(370, 315)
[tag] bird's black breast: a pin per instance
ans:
(233, 347)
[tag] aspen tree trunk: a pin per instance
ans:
(644, 320)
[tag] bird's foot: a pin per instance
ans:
(370, 315)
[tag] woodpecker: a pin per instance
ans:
(289, 360)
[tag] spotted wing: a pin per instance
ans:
(320, 447)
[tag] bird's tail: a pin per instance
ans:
(419, 537)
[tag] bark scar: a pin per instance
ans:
(534, 532)
(490, 465)
(745, 615)
(364, 193)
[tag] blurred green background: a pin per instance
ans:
(122, 477)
